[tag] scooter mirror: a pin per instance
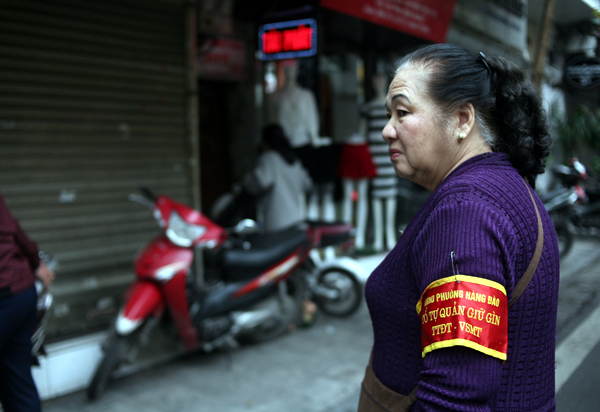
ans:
(246, 226)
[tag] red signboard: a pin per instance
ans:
(428, 19)
(294, 39)
(286, 40)
(222, 58)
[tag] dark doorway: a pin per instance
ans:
(215, 161)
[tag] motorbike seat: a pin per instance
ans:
(264, 252)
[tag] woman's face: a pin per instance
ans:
(419, 145)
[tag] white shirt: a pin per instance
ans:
(285, 184)
(295, 109)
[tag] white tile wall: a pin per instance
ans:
(68, 366)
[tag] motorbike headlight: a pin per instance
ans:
(181, 232)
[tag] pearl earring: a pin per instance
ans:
(461, 136)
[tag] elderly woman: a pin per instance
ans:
(447, 335)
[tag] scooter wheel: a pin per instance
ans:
(115, 351)
(348, 291)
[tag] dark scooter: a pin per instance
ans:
(560, 205)
(586, 211)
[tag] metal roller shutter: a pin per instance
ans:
(92, 105)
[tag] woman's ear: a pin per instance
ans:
(466, 118)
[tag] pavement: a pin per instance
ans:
(319, 369)
(578, 329)
(310, 369)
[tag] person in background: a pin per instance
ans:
(279, 181)
(20, 265)
(471, 130)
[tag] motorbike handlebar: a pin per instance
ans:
(234, 241)
(49, 260)
(147, 200)
(141, 200)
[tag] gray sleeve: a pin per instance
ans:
(306, 180)
(260, 180)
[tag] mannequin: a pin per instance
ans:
(295, 109)
(356, 167)
(384, 187)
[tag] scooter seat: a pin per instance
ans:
(264, 252)
(545, 197)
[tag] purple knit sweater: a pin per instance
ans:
(483, 213)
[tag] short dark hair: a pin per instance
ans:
(508, 106)
(274, 136)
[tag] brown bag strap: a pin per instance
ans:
(376, 397)
(522, 285)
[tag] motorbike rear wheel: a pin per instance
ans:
(348, 290)
(115, 351)
(289, 316)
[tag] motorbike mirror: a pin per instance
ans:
(134, 197)
(246, 226)
(148, 193)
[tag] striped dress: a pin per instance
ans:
(385, 184)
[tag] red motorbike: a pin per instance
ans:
(254, 284)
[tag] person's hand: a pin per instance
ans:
(320, 141)
(44, 274)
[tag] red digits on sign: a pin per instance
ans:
(305, 38)
(272, 41)
(297, 39)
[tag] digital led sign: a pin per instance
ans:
(287, 40)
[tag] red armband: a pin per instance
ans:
(472, 312)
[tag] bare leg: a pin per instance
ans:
(390, 222)
(361, 212)
(377, 206)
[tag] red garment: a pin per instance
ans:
(18, 255)
(356, 162)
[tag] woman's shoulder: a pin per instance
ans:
(471, 218)
(494, 186)
(463, 197)
(495, 200)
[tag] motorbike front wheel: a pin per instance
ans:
(339, 292)
(115, 351)
(564, 236)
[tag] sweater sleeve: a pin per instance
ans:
(459, 378)
(11, 227)
(28, 247)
